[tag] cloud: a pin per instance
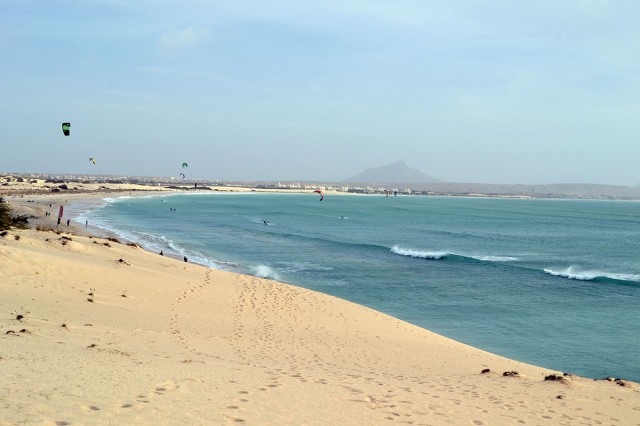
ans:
(179, 40)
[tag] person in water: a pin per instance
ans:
(265, 222)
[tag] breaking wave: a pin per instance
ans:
(264, 271)
(435, 255)
(576, 273)
(438, 255)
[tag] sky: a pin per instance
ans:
(493, 91)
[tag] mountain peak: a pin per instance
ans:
(397, 172)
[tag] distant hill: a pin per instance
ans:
(397, 172)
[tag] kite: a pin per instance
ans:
(321, 194)
(93, 160)
(184, 165)
(65, 128)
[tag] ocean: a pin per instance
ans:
(554, 283)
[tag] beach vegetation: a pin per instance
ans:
(22, 315)
(10, 220)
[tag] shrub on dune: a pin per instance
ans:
(9, 220)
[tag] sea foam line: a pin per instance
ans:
(156, 243)
(575, 273)
(437, 255)
(495, 258)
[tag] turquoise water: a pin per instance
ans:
(550, 282)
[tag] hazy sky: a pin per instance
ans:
(485, 91)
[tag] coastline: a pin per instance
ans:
(175, 342)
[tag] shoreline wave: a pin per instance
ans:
(149, 242)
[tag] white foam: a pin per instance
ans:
(264, 271)
(495, 258)
(571, 273)
(419, 254)
(425, 254)
(575, 273)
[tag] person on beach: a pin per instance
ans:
(68, 221)
(185, 258)
(161, 253)
(86, 223)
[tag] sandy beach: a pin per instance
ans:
(97, 331)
